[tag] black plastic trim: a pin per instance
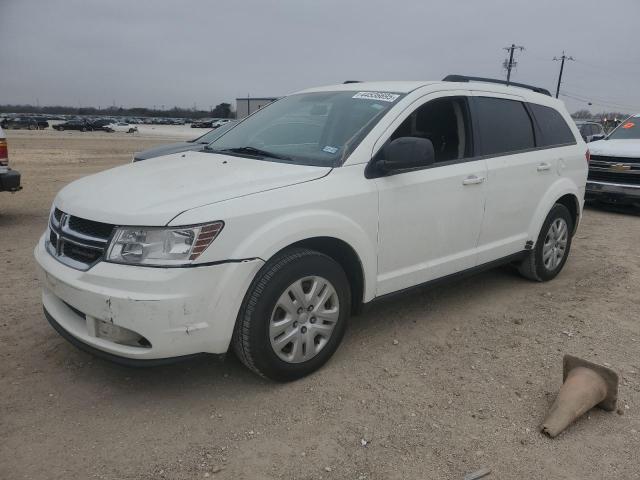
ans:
(448, 278)
(127, 362)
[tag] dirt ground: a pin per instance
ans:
(476, 365)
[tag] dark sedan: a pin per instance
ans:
(191, 145)
(82, 125)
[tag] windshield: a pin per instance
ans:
(320, 128)
(629, 129)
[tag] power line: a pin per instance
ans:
(511, 63)
(601, 103)
(562, 59)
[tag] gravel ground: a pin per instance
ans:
(435, 384)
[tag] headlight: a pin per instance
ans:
(171, 246)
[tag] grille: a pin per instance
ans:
(89, 227)
(614, 177)
(603, 158)
(77, 242)
(80, 253)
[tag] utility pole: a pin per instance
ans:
(561, 59)
(509, 64)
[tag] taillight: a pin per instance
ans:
(587, 155)
(4, 153)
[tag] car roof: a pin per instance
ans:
(410, 86)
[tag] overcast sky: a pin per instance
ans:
(168, 52)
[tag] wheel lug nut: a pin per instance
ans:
(300, 310)
(295, 324)
(310, 307)
(303, 329)
(313, 320)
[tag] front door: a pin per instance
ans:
(430, 219)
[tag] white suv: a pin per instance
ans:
(322, 202)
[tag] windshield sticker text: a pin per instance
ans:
(382, 96)
(330, 149)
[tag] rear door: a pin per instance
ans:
(518, 173)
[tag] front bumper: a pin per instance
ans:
(10, 181)
(615, 192)
(177, 311)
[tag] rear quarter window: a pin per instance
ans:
(504, 126)
(553, 129)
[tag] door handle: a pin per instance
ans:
(472, 180)
(544, 166)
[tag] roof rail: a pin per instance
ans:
(352, 81)
(464, 78)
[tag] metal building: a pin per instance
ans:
(246, 106)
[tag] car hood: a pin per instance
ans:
(167, 150)
(629, 148)
(155, 191)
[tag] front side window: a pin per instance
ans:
(320, 128)
(504, 126)
(629, 129)
(445, 122)
(554, 130)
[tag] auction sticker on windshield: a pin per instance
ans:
(382, 96)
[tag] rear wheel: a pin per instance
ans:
(294, 315)
(550, 253)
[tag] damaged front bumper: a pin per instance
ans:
(143, 313)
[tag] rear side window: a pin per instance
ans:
(504, 126)
(553, 129)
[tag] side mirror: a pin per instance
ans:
(599, 136)
(407, 152)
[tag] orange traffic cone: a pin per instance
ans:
(585, 385)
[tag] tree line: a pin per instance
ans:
(222, 110)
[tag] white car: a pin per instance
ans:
(120, 127)
(323, 202)
(614, 170)
(221, 122)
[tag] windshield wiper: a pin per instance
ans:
(250, 151)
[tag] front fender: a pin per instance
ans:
(559, 188)
(282, 231)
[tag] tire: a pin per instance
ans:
(32, 127)
(539, 264)
(252, 338)
(84, 129)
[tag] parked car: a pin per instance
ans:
(9, 179)
(269, 239)
(203, 123)
(221, 122)
(120, 127)
(82, 125)
(30, 123)
(195, 145)
(614, 169)
(100, 123)
(590, 131)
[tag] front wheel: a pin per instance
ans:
(293, 316)
(550, 253)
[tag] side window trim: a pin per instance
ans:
(370, 172)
